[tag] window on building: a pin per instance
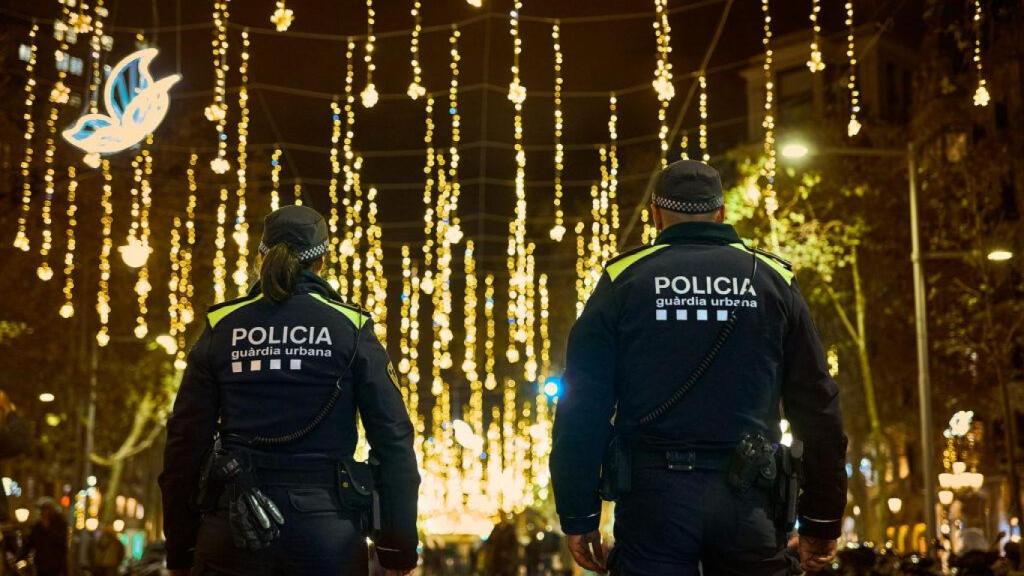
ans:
(795, 93)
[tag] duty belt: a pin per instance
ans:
(682, 460)
(294, 469)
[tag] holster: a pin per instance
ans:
(753, 464)
(787, 491)
(616, 469)
(357, 490)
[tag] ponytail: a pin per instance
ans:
(279, 272)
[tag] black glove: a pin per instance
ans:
(254, 518)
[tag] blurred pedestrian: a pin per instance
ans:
(107, 552)
(688, 444)
(47, 542)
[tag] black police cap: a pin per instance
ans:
(689, 186)
(303, 229)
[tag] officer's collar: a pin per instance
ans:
(698, 233)
(308, 282)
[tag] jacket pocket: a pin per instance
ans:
(312, 500)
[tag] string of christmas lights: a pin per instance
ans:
(106, 245)
(376, 281)
(853, 126)
(557, 231)
(220, 261)
(416, 89)
(662, 83)
(332, 193)
(981, 95)
(275, 179)
(60, 94)
(142, 285)
(427, 283)
(97, 43)
(241, 231)
(703, 129)
(297, 192)
(369, 94)
(815, 63)
(453, 232)
(67, 310)
(185, 312)
(770, 201)
(21, 240)
(346, 248)
(217, 112)
(490, 381)
(516, 252)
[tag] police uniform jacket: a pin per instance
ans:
(261, 368)
(650, 321)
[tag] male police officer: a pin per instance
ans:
(281, 374)
(696, 403)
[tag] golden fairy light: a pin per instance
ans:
(611, 176)
(217, 112)
(815, 63)
(490, 381)
(21, 240)
(703, 107)
(557, 231)
(684, 145)
(332, 193)
(97, 43)
(369, 94)
(67, 310)
(282, 17)
(346, 247)
(275, 179)
(376, 281)
(184, 311)
(663, 74)
(416, 89)
(297, 192)
(58, 96)
(106, 245)
(407, 353)
(853, 126)
(469, 365)
(981, 95)
(220, 273)
(770, 202)
(135, 252)
(427, 282)
(241, 231)
(142, 284)
(516, 90)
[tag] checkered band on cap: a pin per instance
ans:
(307, 255)
(689, 207)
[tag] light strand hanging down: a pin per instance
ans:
(347, 248)
(369, 94)
(516, 252)
(416, 89)
(106, 246)
(67, 310)
(427, 282)
(185, 311)
(705, 156)
(332, 194)
(275, 179)
(217, 112)
(557, 231)
(282, 17)
(59, 95)
(21, 240)
(297, 192)
(97, 44)
(853, 127)
(684, 145)
(981, 95)
(220, 261)
(663, 74)
(241, 231)
(142, 286)
(770, 201)
(815, 62)
(453, 232)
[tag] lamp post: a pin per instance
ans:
(795, 150)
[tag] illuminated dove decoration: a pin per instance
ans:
(136, 104)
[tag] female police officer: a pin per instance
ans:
(278, 377)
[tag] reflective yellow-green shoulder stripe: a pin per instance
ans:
(217, 315)
(354, 316)
(619, 266)
(786, 273)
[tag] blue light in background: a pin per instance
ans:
(552, 387)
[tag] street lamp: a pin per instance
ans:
(794, 150)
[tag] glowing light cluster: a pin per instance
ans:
(853, 126)
(815, 62)
(220, 261)
(416, 89)
(703, 107)
(275, 179)
(67, 310)
(142, 285)
(21, 240)
(106, 245)
(981, 95)
(241, 231)
(369, 94)
(332, 193)
(282, 17)
(376, 281)
(217, 112)
(516, 253)
(557, 231)
(516, 90)
(181, 289)
(97, 44)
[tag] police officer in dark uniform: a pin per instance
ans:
(279, 377)
(675, 375)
